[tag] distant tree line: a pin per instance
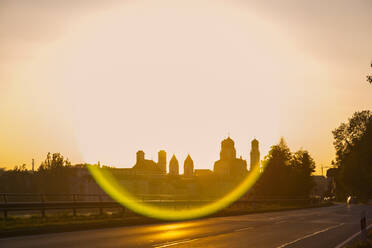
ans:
(286, 173)
(54, 175)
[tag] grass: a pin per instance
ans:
(65, 221)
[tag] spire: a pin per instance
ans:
(188, 166)
(174, 158)
(188, 158)
(173, 166)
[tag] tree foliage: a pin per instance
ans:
(54, 162)
(369, 77)
(353, 144)
(286, 173)
(302, 166)
(16, 181)
(53, 176)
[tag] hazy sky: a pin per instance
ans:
(99, 80)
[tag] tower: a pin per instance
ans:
(255, 155)
(140, 157)
(227, 149)
(173, 166)
(162, 161)
(188, 167)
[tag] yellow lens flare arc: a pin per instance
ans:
(110, 185)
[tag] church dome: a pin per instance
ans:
(228, 142)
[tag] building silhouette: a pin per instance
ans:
(162, 161)
(188, 167)
(145, 166)
(229, 165)
(202, 172)
(173, 166)
(147, 177)
(255, 155)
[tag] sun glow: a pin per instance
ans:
(180, 79)
(98, 81)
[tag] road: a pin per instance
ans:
(318, 227)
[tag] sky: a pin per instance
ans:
(99, 80)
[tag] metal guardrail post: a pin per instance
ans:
(5, 202)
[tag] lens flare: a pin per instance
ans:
(110, 185)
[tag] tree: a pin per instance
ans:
(16, 180)
(353, 144)
(369, 78)
(21, 168)
(347, 134)
(54, 174)
(303, 166)
(285, 173)
(274, 178)
(55, 161)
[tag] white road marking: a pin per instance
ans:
(350, 238)
(174, 243)
(310, 235)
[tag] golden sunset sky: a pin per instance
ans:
(99, 80)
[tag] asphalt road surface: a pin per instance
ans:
(318, 227)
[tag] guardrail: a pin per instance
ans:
(44, 202)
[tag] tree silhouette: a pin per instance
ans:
(347, 134)
(303, 166)
(54, 174)
(286, 174)
(353, 143)
(17, 180)
(53, 162)
(369, 77)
